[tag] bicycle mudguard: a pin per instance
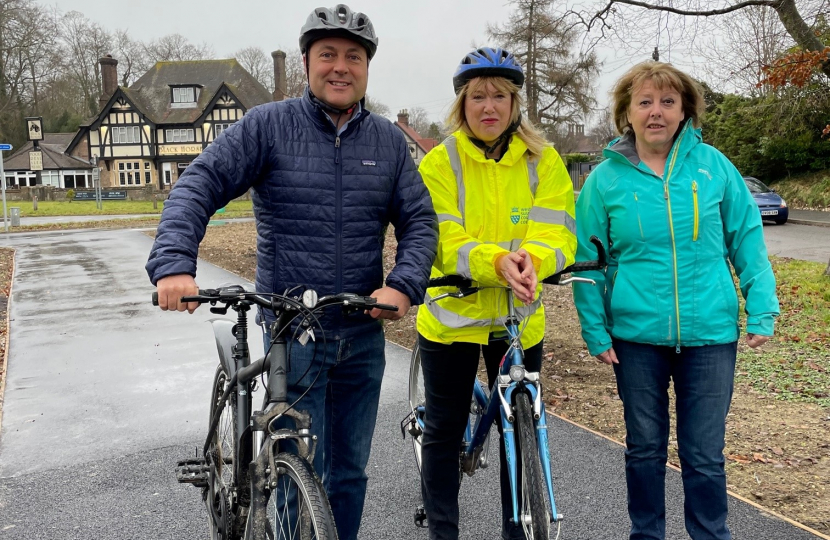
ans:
(225, 342)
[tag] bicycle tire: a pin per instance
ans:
(534, 510)
(295, 477)
(417, 399)
(223, 455)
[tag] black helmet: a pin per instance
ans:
(339, 21)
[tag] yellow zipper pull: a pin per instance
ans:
(665, 190)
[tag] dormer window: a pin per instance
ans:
(184, 96)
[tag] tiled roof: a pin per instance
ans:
(424, 144)
(52, 146)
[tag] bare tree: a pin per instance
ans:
(84, 42)
(559, 81)
(258, 64)
(617, 17)
(749, 39)
(132, 57)
(295, 75)
(377, 107)
(176, 47)
(604, 131)
(419, 120)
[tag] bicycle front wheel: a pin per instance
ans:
(298, 508)
(222, 457)
(534, 510)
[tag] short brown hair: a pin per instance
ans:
(662, 75)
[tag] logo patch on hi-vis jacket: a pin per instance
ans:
(519, 215)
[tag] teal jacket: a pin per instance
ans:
(669, 244)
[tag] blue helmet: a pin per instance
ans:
(488, 62)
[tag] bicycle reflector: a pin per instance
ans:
(517, 372)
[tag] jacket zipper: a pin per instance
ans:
(673, 243)
(697, 221)
(338, 174)
(639, 221)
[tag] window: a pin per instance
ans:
(126, 135)
(184, 95)
(147, 177)
(146, 164)
(180, 135)
(129, 173)
(219, 128)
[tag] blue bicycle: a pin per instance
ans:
(516, 400)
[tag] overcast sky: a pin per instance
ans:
(420, 44)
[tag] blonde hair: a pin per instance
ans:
(527, 132)
(663, 76)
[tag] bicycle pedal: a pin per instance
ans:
(193, 471)
(420, 518)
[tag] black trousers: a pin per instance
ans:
(449, 373)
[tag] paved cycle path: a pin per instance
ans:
(105, 393)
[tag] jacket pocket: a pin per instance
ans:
(697, 214)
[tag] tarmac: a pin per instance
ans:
(105, 393)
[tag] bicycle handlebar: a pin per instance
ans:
(582, 266)
(235, 294)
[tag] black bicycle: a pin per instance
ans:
(256, 476)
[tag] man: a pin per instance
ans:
(327, 178)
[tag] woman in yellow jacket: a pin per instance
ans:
(505, 207)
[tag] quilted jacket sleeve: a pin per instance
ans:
(225, 170)
(416, 228)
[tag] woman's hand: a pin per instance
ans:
(517, 269)
(754, 340)
(608, 357)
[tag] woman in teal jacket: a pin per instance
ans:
(674, 213)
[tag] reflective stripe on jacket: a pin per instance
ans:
(671, 241)
(485, 209)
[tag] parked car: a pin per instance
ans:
(770, 203)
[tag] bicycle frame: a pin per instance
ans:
(499, 403)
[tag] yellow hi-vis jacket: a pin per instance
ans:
(486, 209)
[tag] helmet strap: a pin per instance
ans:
(503, 138)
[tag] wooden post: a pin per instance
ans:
(34, 203)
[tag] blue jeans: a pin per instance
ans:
(343, 404)
(703, 379)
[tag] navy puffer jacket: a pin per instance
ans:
(322, 204)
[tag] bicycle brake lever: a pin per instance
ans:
(577, 280)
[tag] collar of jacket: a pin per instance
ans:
(515, 151)
(320, 117)
(623, 148)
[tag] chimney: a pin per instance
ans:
(403, 117)
(279, 75)
(109, 78)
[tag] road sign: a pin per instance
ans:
(35, 161)
(5, 146)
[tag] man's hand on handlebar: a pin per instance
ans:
(393, 297)
(172, 288)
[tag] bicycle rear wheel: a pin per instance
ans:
(417, 400)
(534, 510)
(222, 456)
(298, 508)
